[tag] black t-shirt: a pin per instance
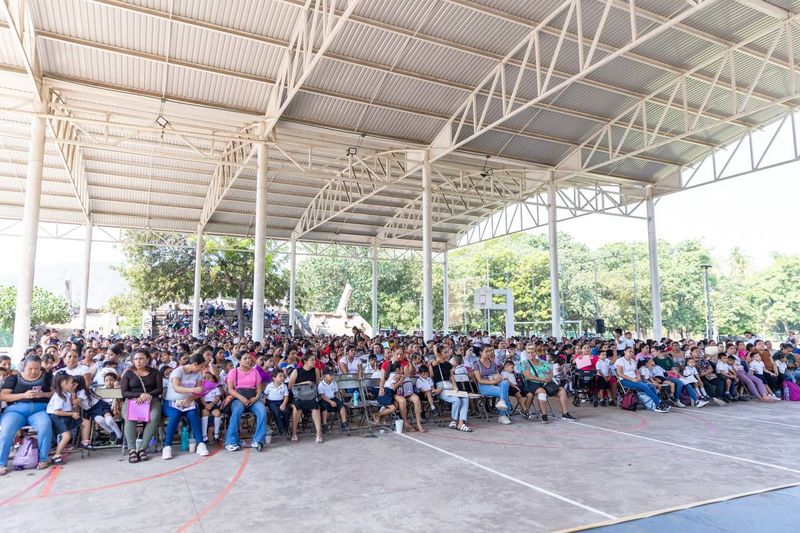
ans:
(306, 375)
(18, 385)
(441, 372)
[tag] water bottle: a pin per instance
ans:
(185, 439)
(356, 398)
(192, 445)
(785, 394)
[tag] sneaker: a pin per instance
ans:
(344, 427)
(701, 403)
(545, 419)
(257, 446)
(567, 416)
(166, 453)
(717, 401)
(118, 442)
(595, 402)
(202, 449)
(605, 403)
(503, 419)
(501, 405)
(232, 447)
(87, 446)
(659, 409)
(679, 403)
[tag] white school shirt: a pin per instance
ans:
(87, 402)
(352, 366)
(722, 367)
(646, 373)
(328, 389)
(276, 393)
(690, 371)
(658, 372)
(626, 368)
(781, 366)
(424, 384)
(757, 367)
(212, 394)
(510, 377)
(56, 403)
(603, 367)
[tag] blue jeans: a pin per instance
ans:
(645, 388)
(459, 407)
(175, 415)
(20, 414)
(281, 417)
(237, 408)
(679, 386)
(496, 391)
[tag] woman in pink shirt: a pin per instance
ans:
(244, 394)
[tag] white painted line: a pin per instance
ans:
(510, 478)
(691, 448)
(703, 412)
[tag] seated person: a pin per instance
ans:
(210, 404)
(514, 390)
(425, 387)
(538, 377)
(278, 402)
(330, 402)
(629, 377)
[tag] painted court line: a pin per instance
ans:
(509, 478)
(784, 424)
(691, 448)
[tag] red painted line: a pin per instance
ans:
(51, 480)
(26, 489)
(122, 483)
(218, 499)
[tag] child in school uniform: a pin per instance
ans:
(64, 411)
(426, 388)
(211, 403)
(278, 402)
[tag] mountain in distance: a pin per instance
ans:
(103, 281)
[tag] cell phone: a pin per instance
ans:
(36, 389)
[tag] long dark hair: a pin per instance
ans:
(87, 390)
(60, 380)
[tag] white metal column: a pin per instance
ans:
(30, 229)
(87, 265)
(427, 250)
(260, 243)
(445, 295)
(198, 265)
(375, 325)
(655, 282)
(292, 281)
(552, 229)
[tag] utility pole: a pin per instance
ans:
(709, 332)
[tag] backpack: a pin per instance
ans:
(630, 401)
(794, 391)
(27, 455)
(646, 401)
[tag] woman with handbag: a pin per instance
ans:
(491, 383)
(538, 377)
(442, 372)
(141, 388)
(244, 394)
(303, 387)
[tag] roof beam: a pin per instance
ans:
(768, 9)
(471, 120)
(589, 157)
(20, 22)
(317, 20)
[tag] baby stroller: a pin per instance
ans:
(584, 387)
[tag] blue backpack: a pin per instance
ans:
(27, 455)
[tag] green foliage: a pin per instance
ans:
(128, 311)
(47, 308)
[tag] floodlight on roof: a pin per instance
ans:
(162, 121)
(352, 150)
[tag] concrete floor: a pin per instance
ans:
(526, 476)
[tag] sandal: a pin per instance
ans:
(44, 465)
(319, 439)
(143, 455)
(453, 425)
(294, 438)
(58, 460)
(133, 457)
(465, 428)
(3, 470)
(421, 429)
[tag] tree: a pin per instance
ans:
(128, 311)
(47, 308)
(779, 294)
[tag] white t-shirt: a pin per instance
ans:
(328, 389)
(757, 367)
(646, 373)
(603, 367)
(78, 371)
(626, 368)
(781, 366)
(723, 367)
(352, 366)
(658, 372)
(57, 403)
(276, 393)
(87, 402)
(424, 384)
(690, 371)
(186, 380)
(211, 395)
(510, 377)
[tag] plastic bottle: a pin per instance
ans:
(356, 399)
(185, 439)
(785, 394)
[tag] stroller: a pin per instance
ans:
(584, 387)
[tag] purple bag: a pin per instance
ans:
(138, 412)
(794, 391)
(27, 455)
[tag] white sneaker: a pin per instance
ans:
(679, 404)
(504, 420)
(202, 449)
(717, 401)
(701, 403)
(166, 453)
(501, 405)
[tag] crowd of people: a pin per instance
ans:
(135, 391)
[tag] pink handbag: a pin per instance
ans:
(138, 412)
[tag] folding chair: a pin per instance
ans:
(348, 384)
(368, 387)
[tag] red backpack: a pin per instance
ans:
(630, 401)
